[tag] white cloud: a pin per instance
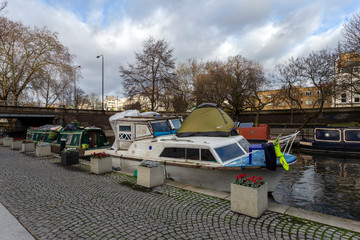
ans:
(269, 33)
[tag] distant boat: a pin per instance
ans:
(205, 150)
(86, 139)
(344, 140)
(253, 134)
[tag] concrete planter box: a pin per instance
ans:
(27, 147)
(69, 158)
(150, 177)
(249, 201)
(16, 145)
(7, 142)
(42, 151)
(101, 165)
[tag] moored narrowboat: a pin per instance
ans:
(344, 140)
(86, 139)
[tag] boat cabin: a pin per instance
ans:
(130, 129)
(89, 138)
(331, 139)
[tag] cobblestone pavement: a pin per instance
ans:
(57, 202)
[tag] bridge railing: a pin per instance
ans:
(22, 104)
(42, 105)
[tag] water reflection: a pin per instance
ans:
(323, 183)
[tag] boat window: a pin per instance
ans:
(206, 155)
(125, 133)
(125, 128)
(68, 139)
(142, 130)
(327, 135)
(160, 126)
(352, 135)
(173, 153)
(192, 153)
(229, 152)
(244, 144)
(176, 123)
(75, 140)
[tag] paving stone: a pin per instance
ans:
(68, 202)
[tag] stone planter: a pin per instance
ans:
(27, 147)
(7, 142)
(150, 177)
(16, 145)
(42, 151)
(249, 201)
(101, 165)
(69, 158)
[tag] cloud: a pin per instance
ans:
(269, 33)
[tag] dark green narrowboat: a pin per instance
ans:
(86, 139)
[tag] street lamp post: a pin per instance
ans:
(102, 78)
(76, 67)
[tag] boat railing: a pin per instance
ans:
(286, 142)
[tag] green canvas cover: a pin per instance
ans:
(207, 120)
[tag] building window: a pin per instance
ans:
(308, 102)
(308, 93)
(343, 98)
(318, 92)
(357, 98)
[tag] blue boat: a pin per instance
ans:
(344, 140)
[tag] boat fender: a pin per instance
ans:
(280, 155)
(270, 156)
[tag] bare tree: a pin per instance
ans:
(25, 53)
(209, 84)
(348, 63)
(244, 79)
(187, 73)
(49, 85)
(315, 70)
(152, 73)
(351, 34)
(3, 6)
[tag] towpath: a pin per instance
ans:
(56, 202)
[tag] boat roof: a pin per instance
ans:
(211, 141)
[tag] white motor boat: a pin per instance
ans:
(204, 160)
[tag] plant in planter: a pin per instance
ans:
(150, 174)
(27, 146)
(42, 149)
(249, 195)
(69, 156)
(100, 163)
(16, 144)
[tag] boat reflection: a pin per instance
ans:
(323, 183)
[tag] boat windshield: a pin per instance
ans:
(161, 128)
(229, 152)
(176, 123)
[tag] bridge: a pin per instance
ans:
(22, 117)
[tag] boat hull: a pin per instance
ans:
(215, 178)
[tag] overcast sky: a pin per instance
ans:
(269, 32)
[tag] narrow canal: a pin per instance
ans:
(328, 184)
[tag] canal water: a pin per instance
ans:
(328, 184)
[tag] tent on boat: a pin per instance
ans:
(207, 120)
